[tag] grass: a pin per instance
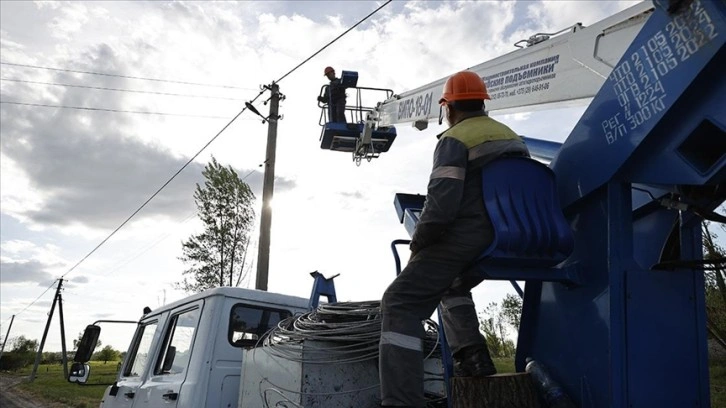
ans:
(504, 365)
(51, 386)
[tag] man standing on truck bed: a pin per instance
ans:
(453, 230)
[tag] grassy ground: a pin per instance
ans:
(504, 365)
(51, 386)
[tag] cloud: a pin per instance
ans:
(80, 279)
(93, 169)
(20, 272)
(354, 195)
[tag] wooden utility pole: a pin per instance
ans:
(45, 332)
(64, 354)
(5, 340)
(263, 254)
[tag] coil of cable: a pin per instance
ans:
(336, 333)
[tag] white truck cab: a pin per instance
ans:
(189, 353)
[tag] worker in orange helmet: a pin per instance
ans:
(334, 96)
(453, 230)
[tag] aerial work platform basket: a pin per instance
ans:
(359, 134)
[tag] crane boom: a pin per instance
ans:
(567, 67)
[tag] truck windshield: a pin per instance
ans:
(140, 352)
(248, 323)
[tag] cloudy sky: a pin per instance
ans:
(69, 177)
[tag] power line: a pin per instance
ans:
(334, 40)
(45, 105)
(162, 187)
(37, 299)
(118, 89)
(160, 238)
(215, 137)
(124, 76)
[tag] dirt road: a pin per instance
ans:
(12, 397)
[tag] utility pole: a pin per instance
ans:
(5, 340)
(64, 356)
(263, 254)
(45, 332)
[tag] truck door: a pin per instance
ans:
(169, 367)
(124, 393)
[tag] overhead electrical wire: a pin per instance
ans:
(158, 240)
(125, 76)
(334, 40)
(118, 89)
(86, 108)
(36, 299)
(205, 145)
(162, 186)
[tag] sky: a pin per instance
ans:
(68, 177)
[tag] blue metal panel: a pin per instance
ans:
(542, 149)
(636, 97)
(349, 79)
(322, 286)
(631, 336)
(404, 202)
(343, 137)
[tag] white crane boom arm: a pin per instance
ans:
(567, 67)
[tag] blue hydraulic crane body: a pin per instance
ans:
(635, 177)
(631, 335)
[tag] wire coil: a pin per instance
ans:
(349, 332)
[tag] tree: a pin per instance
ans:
(23, 345)
(106, 354)
(21, 355)
(77, 341)
(715, 287)
(512, 310)
(492, 324)
(217, 255)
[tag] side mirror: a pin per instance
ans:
(79, 373)
(169, 359)
(87, 344)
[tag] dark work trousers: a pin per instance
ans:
(336, 111)
(434, 274)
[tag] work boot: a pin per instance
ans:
(473, 362)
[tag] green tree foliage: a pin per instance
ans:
(77, 341)
(492, 323)
(217, 255)
(512, 310)
(24, 345)
(715, 287)
(52, 357)
(21, 355)
(106, 354)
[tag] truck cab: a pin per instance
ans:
(189, 353)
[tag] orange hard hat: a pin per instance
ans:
(464, 85)
(328, 69)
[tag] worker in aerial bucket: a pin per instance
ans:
(334, 96)
(453, 230)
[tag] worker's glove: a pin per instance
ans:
(321, 99)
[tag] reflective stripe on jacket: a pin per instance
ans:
(454, 194)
